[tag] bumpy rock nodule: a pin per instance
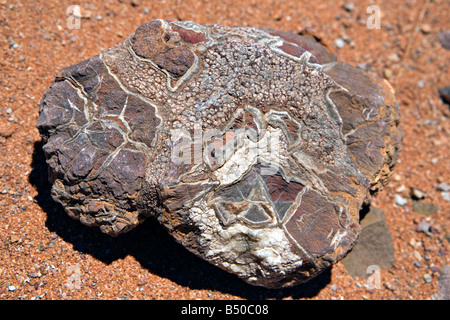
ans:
(255, 148)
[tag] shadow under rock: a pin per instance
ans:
(153, 248)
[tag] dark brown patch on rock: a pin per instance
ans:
(111, 99)
(104, 137)
(314, 224)
(142, 119)
(123, 176)
(85, 75)
(61, 104)
(151, 41)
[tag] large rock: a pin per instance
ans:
(255, 148)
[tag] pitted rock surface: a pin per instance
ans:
(255, 148)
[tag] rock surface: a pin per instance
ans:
(255, 148)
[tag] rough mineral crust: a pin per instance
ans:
(255, 148)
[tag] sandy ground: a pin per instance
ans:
(46, 255)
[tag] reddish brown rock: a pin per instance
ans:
(255, 148)
(156, 43)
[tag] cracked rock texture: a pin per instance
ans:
(255, 148)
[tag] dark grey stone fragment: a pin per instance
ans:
(374, 246)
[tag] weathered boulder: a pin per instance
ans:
(255, 148)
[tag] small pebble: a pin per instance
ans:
(349, 6)
(35, 275)
(394, 57)
(8, 111)
(333, 287)
(436, 228)
(417, 193)
(425, 28)
(444, 39)
(46, 37)
(446, 196)
(339, 43)
(421, 84)
(427, 277)
(417, 264)
(11, 288)
(400, 201)
(442, 187)
(423, 226)
(13, 44)
(444, 93)
(390, 286)
(434, 269)
(387, 73)
(417, 255)
(363, 66)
